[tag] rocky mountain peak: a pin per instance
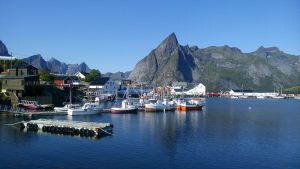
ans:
(228, 68)
(37, 61)
(167, 46)
(231, 49)
(3, 49)
(52, 59)
(266, 52)
(270, 49)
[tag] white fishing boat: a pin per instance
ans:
(169, 105)
(260, 97)
(127, 107)
(297, 97)
(66, 107)
(193, 104)
(154, 106)
(278, 97)
(86, 109)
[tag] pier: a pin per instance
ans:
(84, 129)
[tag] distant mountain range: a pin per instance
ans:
(117, 75)
(218, 67)
(55, 66)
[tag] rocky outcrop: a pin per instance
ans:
(219, 68)
(3, 49)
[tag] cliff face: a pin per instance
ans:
(219, 68)
(3, 49)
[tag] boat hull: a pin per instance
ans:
(123, 110)
(82, 112)
(150, 109)
(189, 107)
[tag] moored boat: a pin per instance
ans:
(126, 107)
(86, 109)
(154, 106)
(189, 105)
(169, 105)
(66, 107)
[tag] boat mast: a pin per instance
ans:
(70, 95)
(116, 98)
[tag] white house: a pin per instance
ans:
(179, 85)
(81, 75)
(104, 85)
(200, 89)
(250, 93)
(178, 89)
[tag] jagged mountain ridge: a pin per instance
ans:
(117, 75)
(219, 68)
(3, 49)
(55, 66)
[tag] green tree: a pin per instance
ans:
(92, 75)
(46, 76)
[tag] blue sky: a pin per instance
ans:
(114, 35)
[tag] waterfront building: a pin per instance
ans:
(250, 93)
(102, 87)
(182, 88)
(81, 75)
(17, 80)
(62, 81)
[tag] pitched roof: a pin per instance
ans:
(84, 73)
(99, 81)
(23, 66)
(64, 77)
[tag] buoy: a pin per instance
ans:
(81, 132)
(47, 128)
(44, 128)
(86, 133)
(76, 132)
(92, 133)
(72, 131)
(22, 126)
(52, 129)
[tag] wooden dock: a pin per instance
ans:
(84, 129)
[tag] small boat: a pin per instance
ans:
(297, 97)
(154, 106)
(278, 97)
(260, 97)
(234, 97)
(86, 109)
(169, 105)
(189, 105)
(126, 107)
(66, 107)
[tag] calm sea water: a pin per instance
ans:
(228, 133)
